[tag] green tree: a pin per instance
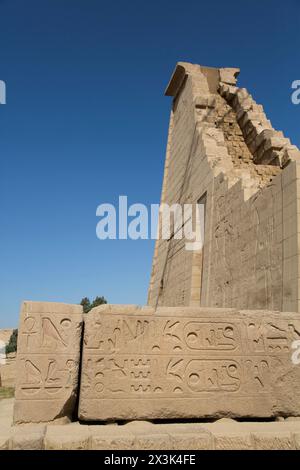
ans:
(88, 305)
(98, 301)
(12, 344)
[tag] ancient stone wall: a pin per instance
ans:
(7, 364)
(8, 371)
(5, 335)
(222, 147)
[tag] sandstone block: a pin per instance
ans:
(47, 361)
(152, 441)
(27, 437)
(189, 436)
(297, 440)
(229, 75)
(6, 411)
(229, 435)
(67, 437)
(189, 363)
(149, 436)
(232, 441)
(5, 433)
(273, 441)
(111, 437)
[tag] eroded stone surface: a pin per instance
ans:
(8, 371)
(111, 437)
(5, 433)
(27, 437)
(67, 437)
(271, 441)
(221, 434)
(189, 362)
(47, 361)
(6, 414)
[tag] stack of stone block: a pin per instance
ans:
(141, 366)
(267, 145)
(141, 363)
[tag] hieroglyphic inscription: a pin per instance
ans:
(197, 364)
(47, 361)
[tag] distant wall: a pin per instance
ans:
(5, 335)
(7, 370)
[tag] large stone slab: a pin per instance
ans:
(188, 362)
(47, 361)
(27, 437)
(72, 436)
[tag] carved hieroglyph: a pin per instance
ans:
(188, 362)
(47, 361)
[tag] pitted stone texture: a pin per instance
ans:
(27, 437)
(136, 435)
(47, 361)
(224, 434)
(189, 363)
(111, 437)
(271, 441)
(229, 434)
(229, 75)
(297, 440)
(148, 436)
(5, 433)
(67, 437)
(188, 436)
(6, 416)
(273, 435)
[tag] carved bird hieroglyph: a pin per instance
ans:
(50, 334)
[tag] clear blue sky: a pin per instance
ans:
(86, 120)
